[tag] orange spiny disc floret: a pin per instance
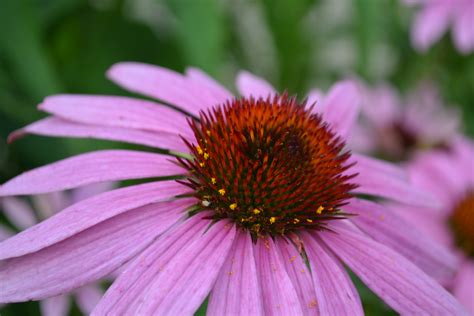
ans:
(269, 165)
(462, 222)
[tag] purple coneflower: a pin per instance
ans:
(449, 175)
(260, 213)
(436, 16)
(22, 216)
(390, 125)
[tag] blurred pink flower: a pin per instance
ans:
(22, 216)
(434, 18)
(394, 128)
(263, 185)
(449, 175)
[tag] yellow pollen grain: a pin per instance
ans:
(206, 156)
(213, 180)
(296, 221)
(320, 209)
(221, 192)
(202, 164)
(199, 150)
(233, 206)
(208, 132)
(256, 211)
(272, 220)
(309, 220)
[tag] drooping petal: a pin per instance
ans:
(402, 285)
(250, 85)
(463, 28)
(316, 97)
(363, 163)
(299, 274)
(374, 179)
(187, 279)
(82, 258)
(341, 107)
(426, 220)
(279, 294)
(214, 87)
(98, 166)
(91, 190)
(387, 228)
(237, 289)
(50, 203)
(335, 292)
(464, 285)
(129, 289)
(54, 126)
(18, 212)
(381, 104)
(5, 232)
(87, 297)
(56, 306)
(117, 111)
(163, 84)
(88, 213)
(430, 24)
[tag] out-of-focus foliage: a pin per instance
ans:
(65, 46)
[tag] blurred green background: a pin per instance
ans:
(65, 46)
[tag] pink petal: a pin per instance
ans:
(430, 24)
(279, 295)
(463, 29)
(439, 166)
(381, 105)
(299, 274)
(82, 258)
(5, 232)
(440, 176)
(464, 150)
(88, 213)
(87, 297)
(335, 292)
(128, 290)
(117, 111)
(363, 163)
(212, 85)
(91, 190)
(430, 221)
(18, 212)
(49, 204)
(184, 283)
(237, 290)
(387, 228)
(163, 84)
(341, 107)
(98, 166)
(401, 284)
(316, 97)
(373, 179)
(250, 85)
(53, 126)
(464, 285)
(55, 306)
